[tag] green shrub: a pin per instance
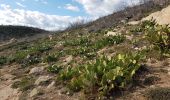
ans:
(68, 73)
(24, 84)
(148, 24)
(54, 69)
(159, 36)
(104, 74)
(31, 60)
(111, 40)
(50, 58)
(83, 41)
(3, 60)
(44, 48)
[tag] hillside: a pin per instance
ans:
(107, 59)
(9, 32)
(129, 14)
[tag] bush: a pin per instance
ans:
(158, 35)
(52, 57)
(109, 41)
(54, 69)
(26, 83)
(3, 60)
(31, 60)
(83, 41)
(104, 74)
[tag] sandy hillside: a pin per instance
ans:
(162, 17)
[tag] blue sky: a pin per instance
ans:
(56, 14)
(47, 6)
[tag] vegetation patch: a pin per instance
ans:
(24, 84)
(158, 35)
(3, 60)
(54, 68)
(103, 75)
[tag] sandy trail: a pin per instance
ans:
(6, 92)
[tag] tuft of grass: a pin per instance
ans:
(52, 57)
(54, 69)
(24, 84)
(3, 60)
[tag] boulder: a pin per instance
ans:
(51, 85)
(110, 33)
(34, 92)
(42, 79)
(36, 70)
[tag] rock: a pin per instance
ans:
(59, 46)
(136, 48)
(67, 60)
(110, 33)
(7, 77)
(138, 33)
(34, 92)
(51, 85)
(133, 22)
(42, 79)
(129, 37)
(36, 70)
(168, 69)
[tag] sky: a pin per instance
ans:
(57, 14)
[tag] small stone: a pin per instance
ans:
(34, 92)
(59, 46)
(7, 76)
(67, 60)
(36, 70)
(134, 22)
(42, 79)
(110, 33)
(136, 48)
(168, 69)
(129, 37)
(51, 85)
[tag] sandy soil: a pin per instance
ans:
(162, 17)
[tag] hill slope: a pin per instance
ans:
(8, 32)
(130, 14)
(126, 62)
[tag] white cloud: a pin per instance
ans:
(104, 7)
(94, 8)
(42, 1)
(10, 16)
(21, 5)
(71, 7)
(4, 6)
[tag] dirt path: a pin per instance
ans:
(6, 80)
